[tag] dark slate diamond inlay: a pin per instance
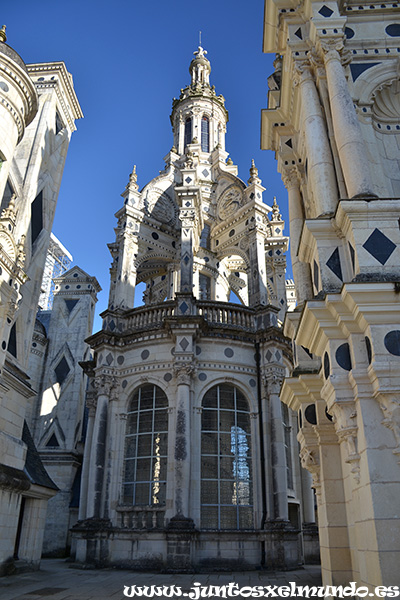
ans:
(188, 179)
(298, 33)
(334, 264)
(310, 414)
(268, 355)
(71, 304)
(327, 365)
(316, 275)
(325, 11)
(109, 358)
(343, 357)
(352, 256)
(205, 173)
(61, 371)
(183, 307)
(251, 195)
(379, 246)
(392, 342)
(111, 325)
(369, 349)
(188, 204)
(184, 344)
(278, 355)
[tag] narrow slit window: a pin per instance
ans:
(36, 216)
(205, 134)
(188, 131)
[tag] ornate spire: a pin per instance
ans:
(276, 215)
(254, 178)
(3, 37)
(132, 185)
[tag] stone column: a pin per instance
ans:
(278, 451)
(124, 295)
(301, 271)
(336, 559)
(183, 374)
(307, 497)
(347, 130)
(91, 403)
(321, 172)
(104, 385)
(257, 274)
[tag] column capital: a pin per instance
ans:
(183, 373)
(291, 177)
(335, 50)
(302, 71)
(106, 385)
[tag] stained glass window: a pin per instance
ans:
(226, 478)
(145, 464)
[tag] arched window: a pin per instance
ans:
(188, 131)
(145, 464)
(226, 481)
(205, 134)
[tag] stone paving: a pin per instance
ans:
(57, 580)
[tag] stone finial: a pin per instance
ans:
(3, 37)
(10, 212)
(200, 52)
(253, 173)
(276, 215)
(189, 159)
(132, 185)
(21, 255)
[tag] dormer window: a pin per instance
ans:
(188, 131)
(205, 134)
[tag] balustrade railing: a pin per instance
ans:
(141, 517)
(216, 314)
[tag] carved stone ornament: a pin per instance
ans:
(290, 178)
(310, 461)
(345, 420)
(183, 373)
(106, 385)
(160, 207)
(231, 200)
(390, 407)
(335, 50)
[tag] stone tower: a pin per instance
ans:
(333, 120)
(38, 109)
(189, 458)
(57, 416)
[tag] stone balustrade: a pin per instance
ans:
(141, 517)
(215, 315)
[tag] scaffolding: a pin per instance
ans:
(58, 261)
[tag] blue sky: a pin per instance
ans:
(128, 59)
